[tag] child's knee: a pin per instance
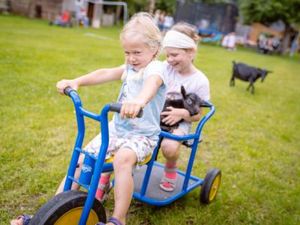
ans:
(124, 158)
(170, 153)
(169, 145)
(170, 148)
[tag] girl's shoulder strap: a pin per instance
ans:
(133, 74)
(125, 72)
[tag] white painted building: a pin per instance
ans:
(47, 9)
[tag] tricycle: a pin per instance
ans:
(81, 207)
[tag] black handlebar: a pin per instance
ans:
(68, 90)
(205, 105)
(116, 107)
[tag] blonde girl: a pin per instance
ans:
(131, 139)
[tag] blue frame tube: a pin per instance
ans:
(100, 164)
(149, 169)
(79, 139)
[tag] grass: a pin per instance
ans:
(253, 139)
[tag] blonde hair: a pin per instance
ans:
(187, 29)
(143, 24)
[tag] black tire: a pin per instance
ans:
(210, 186)
(66, 208)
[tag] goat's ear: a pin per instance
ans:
(269, 71)
(183, 92)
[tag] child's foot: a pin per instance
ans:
(111, 221)
(168, 182)
(21, 220)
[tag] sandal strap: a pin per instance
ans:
(171, 181)
(25, 218)
(114, 221)
(167, 184)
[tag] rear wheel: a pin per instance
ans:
(210, 186)
(66, 208)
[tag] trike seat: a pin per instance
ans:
(146, 160)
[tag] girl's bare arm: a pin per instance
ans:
(150, 88)
(96, 77)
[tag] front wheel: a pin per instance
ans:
(210, 186)
(66, 208)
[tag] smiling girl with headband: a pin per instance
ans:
(180, 46)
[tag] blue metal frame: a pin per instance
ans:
(141, 196)
(89, 176)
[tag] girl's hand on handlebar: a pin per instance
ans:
(130, 109)
(61, 85)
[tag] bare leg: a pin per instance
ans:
(123, 163)
(170, 148)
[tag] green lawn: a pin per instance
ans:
(253, 139)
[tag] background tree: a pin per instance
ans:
(137, 6)
(168, 6)
(212, 1)
(269, 11)
(150, 6)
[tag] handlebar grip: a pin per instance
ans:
(205, 105)
(68, 90)
(116, 107)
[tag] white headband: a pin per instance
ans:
(177, 39)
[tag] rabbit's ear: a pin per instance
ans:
(183, 92)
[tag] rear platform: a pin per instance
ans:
(154, 195)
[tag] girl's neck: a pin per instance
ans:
(189, 70)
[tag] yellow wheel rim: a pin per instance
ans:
(72, 217)
(214, 187)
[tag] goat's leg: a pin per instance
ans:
(249, 86)
(231, 83)
(250, 80)
(252, 89)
